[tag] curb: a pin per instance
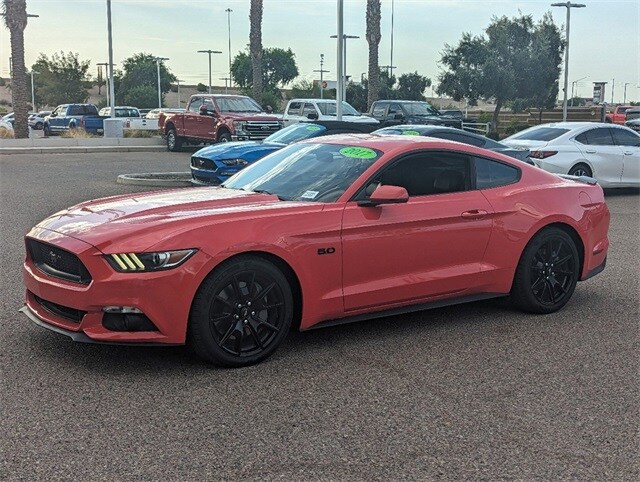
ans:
(158, 179)
(79, 150)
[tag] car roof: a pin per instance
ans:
(324, 101)
(387, 143)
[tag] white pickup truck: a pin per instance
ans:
(298, 110)
(131, 118)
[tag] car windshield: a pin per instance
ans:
(539, 134)
(295, 133)
(237, 104)
(329, 108)
(399, 131)
(420, 109)
(306, 172)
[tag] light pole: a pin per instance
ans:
(106, 68)
(391, 67)
(112, 100)
(33, 92)
(209, 52)
(625, 93)
(568, 6)
(228, 10)
(322, 71)
(574, 84)
(340, 60)
(158, 60)
(344, 61)
(227, 80)
(179, 103)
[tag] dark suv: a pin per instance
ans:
(396, 112)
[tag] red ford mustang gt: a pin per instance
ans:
(337, 229)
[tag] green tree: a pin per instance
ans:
(501, 66)
(142, 96)
(15, 18)
(201, 87)
(279, 68)
(412, 86)
(141, 70)
(60, 79)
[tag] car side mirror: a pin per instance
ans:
(312, 116)
(398, 117)
(386, 195)
(269, 109)
(203, 110)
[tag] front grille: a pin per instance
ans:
(202, 163)
(65, 312)
(57, 262)
(261, 129)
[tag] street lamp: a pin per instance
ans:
(112, 100)
(158, 60)
(344, 61)
(33, 92)
(391, 67)
(106, 68)
(624, 101)
(179, 103)
(568, 6)
(209, 52)
(228, 10)
(227, 81)
(573, 85)
(322, 71)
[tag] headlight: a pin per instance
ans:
(234, 162)
(239, 126)
(136, 262)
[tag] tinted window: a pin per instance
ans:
(379, 108)
(195, 104)
(426, 173)
(596, 137)
(626, 138)
(209, 104)
(294, 108)
(494, 174)
(308, 109)
(76, 110)
(540, 134)
(459, 137)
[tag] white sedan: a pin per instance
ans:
(607, 152)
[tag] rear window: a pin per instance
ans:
(493, 174)
(540, 134)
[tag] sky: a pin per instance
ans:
(604, 40)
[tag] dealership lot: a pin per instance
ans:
(474, 391)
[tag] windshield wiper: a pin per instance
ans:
(264, 191)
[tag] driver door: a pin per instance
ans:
(431, 246)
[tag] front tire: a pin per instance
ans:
(241, 313)
(224, 137)
(174, 142)
(547, 273)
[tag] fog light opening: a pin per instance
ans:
(127, 320)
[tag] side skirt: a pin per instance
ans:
(408, 309)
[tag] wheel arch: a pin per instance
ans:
(168, 126)
(286, 269)
(222, 130)
(573, 234)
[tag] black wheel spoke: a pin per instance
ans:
(269, 326)
(563, 260)
(272, 305)
(537, 282)
(265, 291)
(220, 317)
(226, 336)
(238, 343)
(236, 287)
(225, 301)
(552, 294)
(254, 334)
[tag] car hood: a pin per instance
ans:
(144, 219)
(234, 150)
(362, 119)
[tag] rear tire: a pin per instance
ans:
(38, 126)
(547, 273)
(581, 170)
(241, 313)
(46, 130)
(174, 142)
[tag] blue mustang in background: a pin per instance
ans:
(214, 164)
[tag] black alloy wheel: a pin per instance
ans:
(241, 313)
(547, 273)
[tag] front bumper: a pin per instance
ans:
(68, 307)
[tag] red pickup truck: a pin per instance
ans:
(618, 115)
(217, 118)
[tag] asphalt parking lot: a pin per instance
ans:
(469, 392)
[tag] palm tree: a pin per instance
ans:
(15, 18)
(255, 47)
(373, 38)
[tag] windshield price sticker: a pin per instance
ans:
(309, 194)
(410, 133)
(358, 152)
(314, 128)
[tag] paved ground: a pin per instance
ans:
(471, 392)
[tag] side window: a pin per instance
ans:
(378, 110)
(76, 110)
(427, 173)
(395, 109)
(625, 138)
(294, 108)
(493, 174)
(209, 104)
(459, 137)
(195, 104)
(596, 137)
(308, 109)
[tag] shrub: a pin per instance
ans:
(77, 134)
(6, 133)
(200, 87)
(141, 133)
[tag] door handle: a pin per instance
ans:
(474, 214)
(628, 153)
(590, 151)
